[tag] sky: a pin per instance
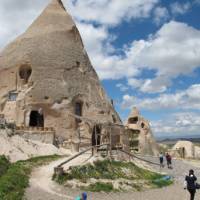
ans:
(146, 53)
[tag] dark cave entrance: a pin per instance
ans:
(36, 119)
(96, 135)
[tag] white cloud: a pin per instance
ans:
(178, 124)
(157, 85)
(128, 101)
(135, 83)
(174, 50)
(111, 12)
(183, 100)
(180, 8)
(122, 87)
(16, 16)
(161, 15)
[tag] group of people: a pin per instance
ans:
(190, 182)
(168, 159)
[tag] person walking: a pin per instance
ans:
(169, 161)
(190, 184)
(161, 159)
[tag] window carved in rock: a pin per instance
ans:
(79, 108)
(133, 120)
(25, 73)
(12, 96)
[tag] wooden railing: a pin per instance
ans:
(137, 157)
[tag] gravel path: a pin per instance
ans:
(42, 187)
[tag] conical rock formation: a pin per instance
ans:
(140, 135)
(46, 77)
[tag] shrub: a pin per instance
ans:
(100, 187)
(111, 170)
(4, 165)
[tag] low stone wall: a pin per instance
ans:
(47, 137)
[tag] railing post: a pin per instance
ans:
(59, 171)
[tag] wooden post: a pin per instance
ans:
(95, 150)
(59, 171)
(110, 144)
(107, 146)
(95, 134)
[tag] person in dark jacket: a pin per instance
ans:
(169, 161)
(191, 184)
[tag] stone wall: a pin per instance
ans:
(47, 137)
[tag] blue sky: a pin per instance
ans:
(146, 53)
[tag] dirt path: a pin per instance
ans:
(42, 187)
(41, 184)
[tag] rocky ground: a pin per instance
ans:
(42, 187)
(18, 148)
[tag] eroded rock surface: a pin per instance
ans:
(46, 78)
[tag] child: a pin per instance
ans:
(84, 196)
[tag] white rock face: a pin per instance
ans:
(187, 148)
(18, 148)
(197, 151)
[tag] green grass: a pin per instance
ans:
(4, 165)
(15, 179)
(98, 187)
(110, 170)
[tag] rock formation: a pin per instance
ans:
(185, 149)
(141, 139)
(47, 80)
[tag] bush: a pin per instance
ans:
(111, 170)
(4, 165)
(99, 187)
(14, 182)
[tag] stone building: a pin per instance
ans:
(141, 139)
(48, 85)
(185, 149)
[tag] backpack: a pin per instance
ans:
(197, 186)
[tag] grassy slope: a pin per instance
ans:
(15, 178)
(4, 165)
(112, 170)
